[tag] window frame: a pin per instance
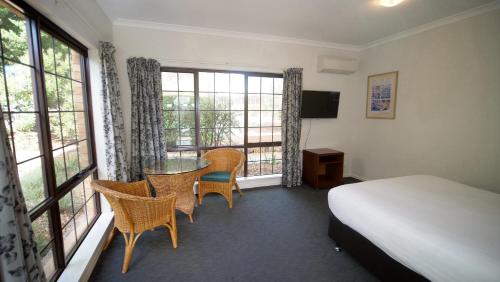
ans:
(36, 22)
(246, 145)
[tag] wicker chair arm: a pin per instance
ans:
(235, 171)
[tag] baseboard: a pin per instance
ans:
(259, 181)
(362, 178)
(82, 264)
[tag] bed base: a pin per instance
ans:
(369, 255)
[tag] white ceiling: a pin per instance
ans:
(353, 22)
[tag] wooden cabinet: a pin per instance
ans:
(323, 168)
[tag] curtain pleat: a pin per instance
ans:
(114, 130)
(19, 258)
(292, 99)
(148, 142)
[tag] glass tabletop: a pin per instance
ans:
(176, 166)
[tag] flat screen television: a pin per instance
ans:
(319, 104)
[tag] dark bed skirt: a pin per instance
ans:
(369, 255)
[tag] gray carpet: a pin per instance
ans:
(271, 234)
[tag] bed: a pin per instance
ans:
(419, 227)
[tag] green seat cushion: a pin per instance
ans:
(217, 176)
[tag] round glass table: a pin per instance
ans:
(177, 176)
(176, 166)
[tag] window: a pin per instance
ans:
(205, 109)
(44, 98)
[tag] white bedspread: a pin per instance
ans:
(444, 230)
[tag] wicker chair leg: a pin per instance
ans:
(129, 249)
(238, 188)
(110, 238)
(229, 198)
(190, 216)
(200, 196)
(173, 234)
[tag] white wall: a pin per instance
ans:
(448, 106)
(181, 49)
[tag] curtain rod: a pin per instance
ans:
(214, 64)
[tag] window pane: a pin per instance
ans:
(170, 119)
(278, 85)
(170, 101)
(48, 264)
(206, 81)
(253, 84)
(266, 134)
(61, 53)
(41, 230)
(72, 163)
(15, 36)
(65, 94)
(26, 138)
(81, 126)
(237, 83)
(237, 101)
(186, 82)
(222, 136)
(221, 82)
(221, 101)
(187, 137)
(207, 101)
(20, 87)
(83, 154)
(237, 136)
(277, 118)
(172, 136)
(88, 187)
(207, 119)
(69, 237)
(207, 137)
(173, 155)
(277, 168)
(169, 81)
(254, 154)
(254, 101)
(76, 69)
(189, 154)
(68, 127)
(186, 100)
(266, 102)
(48, 52)
(32, 182)
(253, 168)
(253, 135)
(266, 118)
(51, 89)
(237, 118)
(91, 209)
(65, 209)
(277, 102)
(59, 166)
(266, 85)
(55, 130)
(253, 118)
(187, 119)
(81, 222)
(78, 96)
(276, 134)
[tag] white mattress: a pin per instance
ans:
(443, 230)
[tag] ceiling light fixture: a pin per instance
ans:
(389, 3)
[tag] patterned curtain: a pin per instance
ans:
(148, 142)
(19, 258)
(114, 131)
(290, 127)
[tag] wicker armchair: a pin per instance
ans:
(136, 211)
(181, 185)
(220, 176)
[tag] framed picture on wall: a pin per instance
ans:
(381, 96)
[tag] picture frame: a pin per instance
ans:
(381, 95)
